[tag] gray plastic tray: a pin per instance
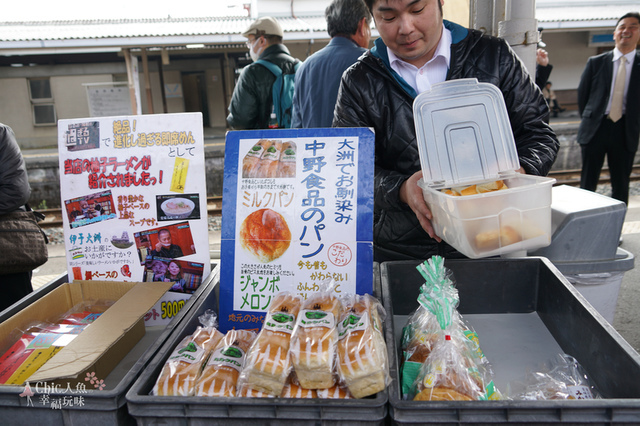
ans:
(96, 407)
(178, 410)
(524, 311)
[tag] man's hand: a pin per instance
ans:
(411, 194)
(542, 57)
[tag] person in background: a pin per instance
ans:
(609, 106)
(543, 68)
(318, 78)
(416, 49)
(165, 247)
(551, 99)
(14, 194)
(251, 102)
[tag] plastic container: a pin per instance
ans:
(585, 226)
(178, 410)
(464, 138)
(88, 407)
(599, 281)
(524, 312)
(586, 229)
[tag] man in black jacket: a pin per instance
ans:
(251, 102)
(418, 48)
(603, 132)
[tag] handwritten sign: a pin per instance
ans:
(297, 209)
(134, 202)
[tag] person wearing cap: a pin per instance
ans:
(318, 78)
(416, 49)
(251, 102)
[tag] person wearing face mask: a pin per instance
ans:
(251, 103)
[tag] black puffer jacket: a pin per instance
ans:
(251, 102)
(373, 95)
(14, 182)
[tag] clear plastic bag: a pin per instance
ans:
(363, 365)
(267, 364)
(183, 367)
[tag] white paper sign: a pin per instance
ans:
(134, 203)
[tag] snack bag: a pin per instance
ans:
(267, 364)
(561, 377)
(313, 342)
(362, 353)
(220, 375)
(445, 375)
(183, 367)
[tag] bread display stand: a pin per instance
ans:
(524, 312)
(173, 410)
(100, 407)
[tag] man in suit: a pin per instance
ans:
(611, 127)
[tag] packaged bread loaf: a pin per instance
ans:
(267, 364)
(287, 164)
(220, 375)
(267, 167)
(362, 353)
(313, 343)
(183, 367)
(251, 159)
(293, 390)
(339, 391)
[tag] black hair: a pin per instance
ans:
(343, 16)
(629, 15)
(370, 3)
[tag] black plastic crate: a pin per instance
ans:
(97, 407)
(523, 310)
(180, 410)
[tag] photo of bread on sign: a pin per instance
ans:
(265, 234)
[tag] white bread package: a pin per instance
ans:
(183, 367)
(267, 363)
(362, 353)
(313, 343)
(220, 375)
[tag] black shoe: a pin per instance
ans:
(620, 241)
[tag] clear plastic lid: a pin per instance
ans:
(464, 134)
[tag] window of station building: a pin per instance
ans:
(42, 105)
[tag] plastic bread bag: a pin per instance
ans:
(363, 365)
(183, 367)
(445, 375)
(561, 377)
(314, 339)
(267, 364)
(220, 374)
(86, 312)
(292, 389)
(437, 302)
(339, 391)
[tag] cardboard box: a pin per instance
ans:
(100, 347)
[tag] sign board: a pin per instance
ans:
(108, 99)
(134, 202)
(297, 210)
